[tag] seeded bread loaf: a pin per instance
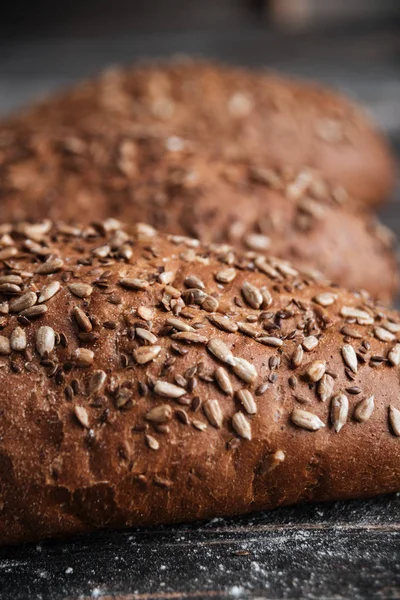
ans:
(237, 113)
(148, 379)
(166, 182)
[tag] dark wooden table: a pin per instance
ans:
(345, 550)
(339, 551)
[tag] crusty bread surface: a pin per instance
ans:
(146, 378)
(172, 184)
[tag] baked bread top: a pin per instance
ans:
(168, 182)
(234, 113)
(146, 378)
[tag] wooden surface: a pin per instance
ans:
(335, 551)
(338, 551)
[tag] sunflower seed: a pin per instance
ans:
(339, 411)
(275, 460)
(394, 355)
(351, 332)
(213, 413)
(181, 415)
(297, 356)
(306, 420)
(194, 296)
(210, 304)
(252, 295)
(384, 335)
(274, 342)
(266, 296)
(15, 279)
(219, 349)
(82, 319)
(244, 370)
(18, 339)
(179, 324)
(241, 425)
(159, 414)
(364, 409)
(52, 265)
(146, 335)
(223, 323)
(223, 380)
(146, 354)
(7, 253)
(310, 343)
(96, 382)
(301, 399)
(4, 308)
(36, 231)
(285, 268)
(9, 288)
(82, 416)
(189, 337)
(325, 387)
(83, 357)
(168, 390)
(102, 251)
(354, 390)
(27, 300)
(45, 340)
(192, 281)
(123, 398)
(394, 420)
(145, 312)
(316, 370)
(142, 230)
(263, 266)
(134, 283)
(5, 347)
(350, 357)
(48, 291)
(82, 290)
(199, 425)
(392, 327)
(172, 291)
(349, 312)
(33, 312)
(247, 401)
(325, 299)
(248, 329)
(152, 443)
(226, 275)
(167, 277)
(125, 252)
(257, 242)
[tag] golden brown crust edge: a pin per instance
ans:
(236, 112)
(247, 344)
(298, 215)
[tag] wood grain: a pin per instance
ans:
(339, 550)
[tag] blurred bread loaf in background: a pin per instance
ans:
(232, 112)
(220, 153)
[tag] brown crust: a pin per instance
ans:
(73, 459)
(236, 112)
(170, 183)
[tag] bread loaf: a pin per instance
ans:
(169, 183)
(237, 113)
(149, 379)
